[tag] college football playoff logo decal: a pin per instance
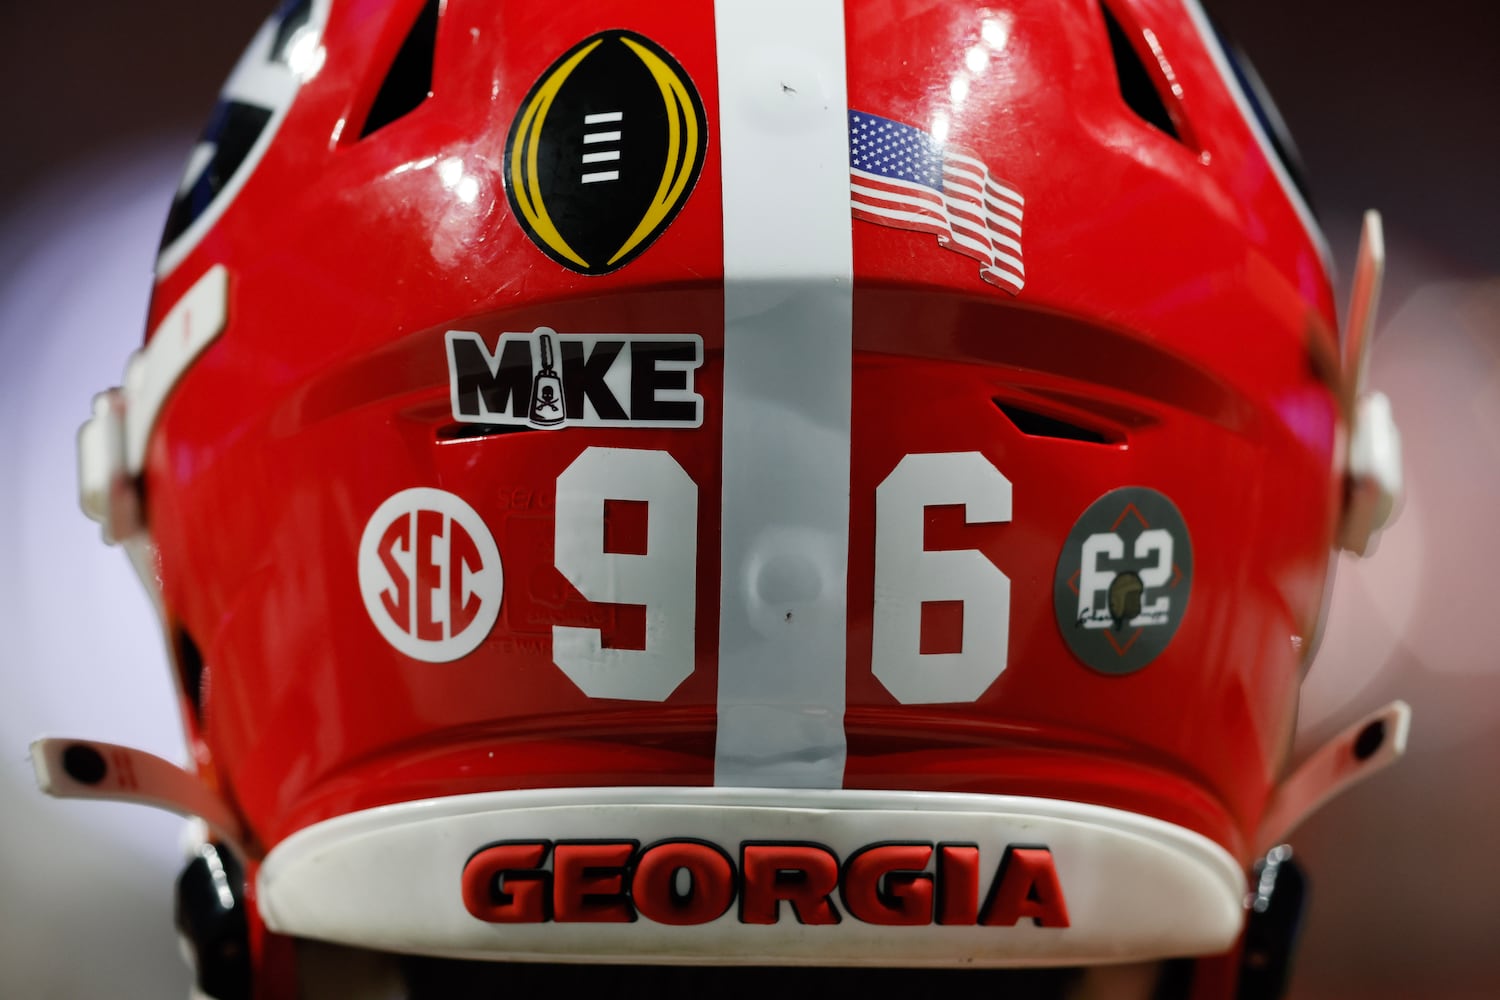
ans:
(604, 151)
(1123, 580)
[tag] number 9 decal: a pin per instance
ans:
(664, 579)
(906, 575)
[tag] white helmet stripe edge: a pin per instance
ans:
(787, 390)
(1241, 101)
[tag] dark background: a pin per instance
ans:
(1394, 105)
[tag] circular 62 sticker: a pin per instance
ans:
(1123, 580)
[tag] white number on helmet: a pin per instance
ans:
(906, 576)
(1158, 541)
(664, 579)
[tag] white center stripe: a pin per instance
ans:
(609, 154)
(592, 137)
(603, 116)
(788, 318)
(603, 175)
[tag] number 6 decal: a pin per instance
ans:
(664, 579)
(906, 575)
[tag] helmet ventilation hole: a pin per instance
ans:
(190, 671)
(84, 764)
(1136, 84)
(1035, 424)
(465, 432)
(1369, 740)
(409, 80)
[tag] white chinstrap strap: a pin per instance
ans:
(90, 769)
(1366, 748)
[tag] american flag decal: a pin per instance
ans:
(900, 176)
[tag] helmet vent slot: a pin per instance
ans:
(1136, 83)
(409, 80)
(465, 432)
(190, 671)
(1034, 424)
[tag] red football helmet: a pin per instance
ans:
(761, 484)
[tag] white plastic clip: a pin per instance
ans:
(1373, 462)
(112, 444)
(106, 489)
(1374, 473)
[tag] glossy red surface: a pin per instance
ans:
(1173, 302)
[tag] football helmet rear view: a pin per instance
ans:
(776, 484)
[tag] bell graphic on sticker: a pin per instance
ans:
(546, 388)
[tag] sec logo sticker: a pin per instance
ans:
(1122, 582)
(604, 151)
(430, 574)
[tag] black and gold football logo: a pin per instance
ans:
(604, 151)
